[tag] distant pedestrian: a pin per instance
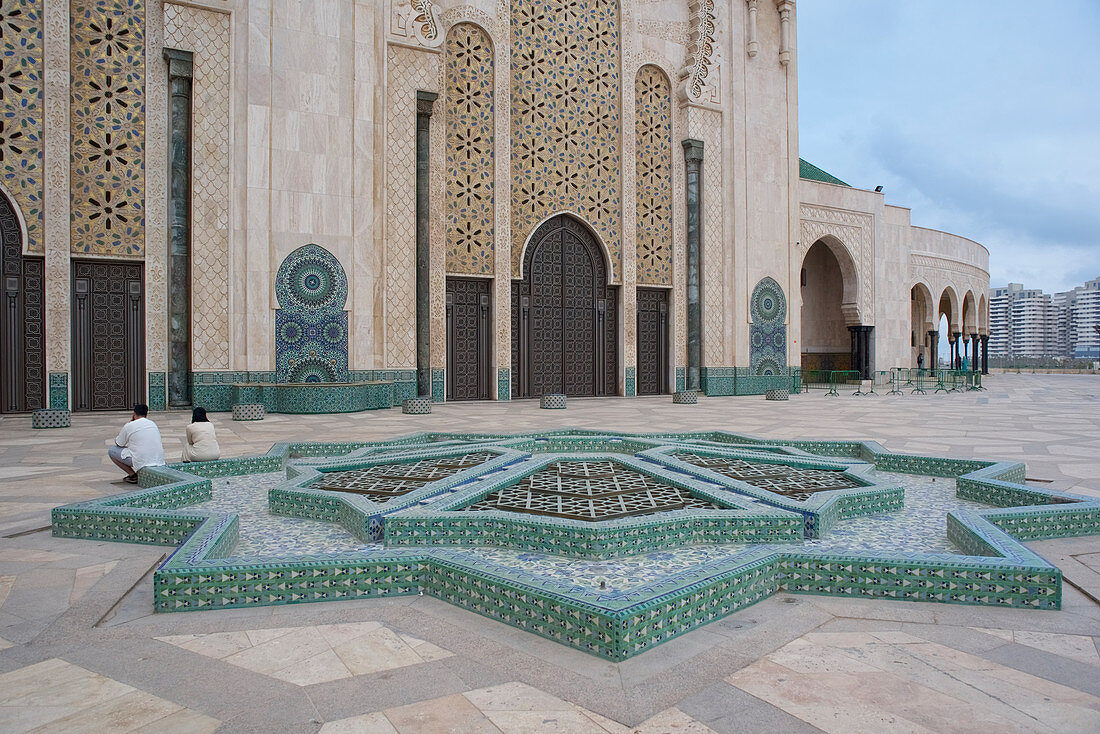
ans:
(920, 361)
(201, 443)
(137, 445)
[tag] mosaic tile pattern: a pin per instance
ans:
(311, 326)
(565, 118)
(613, 588)
(591, 491)
(798, 484)
(263, 535)
(158, 395)
(468, 86)
(21, 124)
(768, 332)
(384, 481)
(59, 390)
(107, 118)
(653, 172)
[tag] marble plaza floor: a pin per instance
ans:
(80, 649)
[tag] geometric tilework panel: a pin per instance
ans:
(653, 153)
(21, 125)
(469, 125)
(311, 327)
(566, 118)
(107, 121)
(206, 34)
(768, 333)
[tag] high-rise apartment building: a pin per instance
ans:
(1082, 320)
(1025, 322)
(1021, 322)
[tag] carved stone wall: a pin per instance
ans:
(856, 231)
(409, 70)
(653, 162)
(206, 34)
(706, 125)
(107, 118)
(57, 201)
(469, 109)
(22, 84)
(566, 118)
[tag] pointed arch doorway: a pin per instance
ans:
(564, 315)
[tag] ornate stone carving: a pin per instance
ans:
(409, 70)
(856, 231)
(56, 209)
(21, 126)
(206, 33)
(565, 100)
(468, 106)
(107, 115)
(416, 20)
(156, 199)
(653, 166)
(701, 49)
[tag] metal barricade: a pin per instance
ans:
(817, 380)
(921, 381)
(846, 378)
(886, 382)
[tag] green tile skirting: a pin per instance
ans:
(432, 549)
(718, 381)
(215, 391)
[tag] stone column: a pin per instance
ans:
(861, 350)
(985, 353)
(693, 157)
(974, 350)
(180, 75)
(425, 101)
(956, 358)
(933, 349)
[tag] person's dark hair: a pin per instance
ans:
(198, 415)
(141, 410)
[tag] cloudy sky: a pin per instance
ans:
(982, 116)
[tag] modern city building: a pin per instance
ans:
(1081, 320)
(1025, 322)
(472, 199)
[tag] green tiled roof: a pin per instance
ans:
(811, 172)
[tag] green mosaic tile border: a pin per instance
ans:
(999, 570)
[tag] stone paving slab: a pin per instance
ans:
(80, 602)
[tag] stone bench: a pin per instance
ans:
(777, 393)
(249, 412)
(685, 397)
(553, 401)
(51, 418)
(416, 406)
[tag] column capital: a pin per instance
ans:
(180, 63)
(425, 102)
(693, 150)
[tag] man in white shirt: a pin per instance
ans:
(138, 444)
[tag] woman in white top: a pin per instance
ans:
(202, 444)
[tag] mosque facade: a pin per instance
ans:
(476, 199)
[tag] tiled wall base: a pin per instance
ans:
(59, 390)
(314, 397)
(158, 391)
(997, 570)
(717, 381)
(214, 390)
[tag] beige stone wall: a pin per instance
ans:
(889, 257)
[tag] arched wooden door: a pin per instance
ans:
(564, 316)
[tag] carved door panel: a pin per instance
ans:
(108, 335)
(653, 360)
(22, 324)
(564, 326)
(468, 336)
